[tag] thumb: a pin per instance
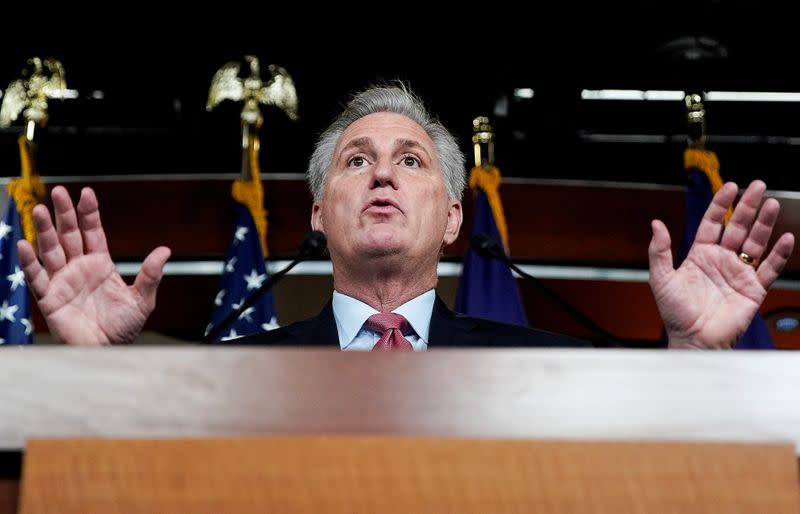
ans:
(659, 252)
(149, 276)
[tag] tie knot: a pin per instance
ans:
(385, 321)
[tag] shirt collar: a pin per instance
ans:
(350, 314)
(418, 312)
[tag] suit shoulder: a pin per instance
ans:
(286, 335)
(504, 334)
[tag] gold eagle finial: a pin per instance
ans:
(279, 90)
(28, 95)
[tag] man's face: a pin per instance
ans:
(385, 194)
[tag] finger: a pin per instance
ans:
(711, 225)
(66, 223)
(757, 240)
(49, 246)
(34, 273)
(149, 276)
(659, 252)
(772, 266)
(739, 227)
(94, 237)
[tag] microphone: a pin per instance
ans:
(313, 244)
(487, 247)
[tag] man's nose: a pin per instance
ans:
(384, 174)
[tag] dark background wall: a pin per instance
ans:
(154, 69)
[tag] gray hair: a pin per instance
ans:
(398, 99)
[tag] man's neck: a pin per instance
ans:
(384, 290)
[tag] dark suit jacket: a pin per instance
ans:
(448, 329)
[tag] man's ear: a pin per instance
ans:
(316, 218)
(454, 219)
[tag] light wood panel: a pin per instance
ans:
(396, 474)
(144, 391)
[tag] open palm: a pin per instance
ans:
(82, 297)
(709, 301)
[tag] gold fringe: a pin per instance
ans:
(489, 181)
(707, 162)
(26, 191)
(250, 193)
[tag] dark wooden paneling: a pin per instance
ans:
(547, 223)
(598, 225)
(193, 218)
(9, 493)
(626, 310)
(585, 224)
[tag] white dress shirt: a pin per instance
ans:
(351, 314)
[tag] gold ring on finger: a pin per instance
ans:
(748, 259)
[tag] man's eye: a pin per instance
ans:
(357, 161)
(410, 161)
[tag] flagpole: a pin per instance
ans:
(235, 307)
(41, 80)
(487, 288)
(483, 142)
(28, 96)
(695, 120)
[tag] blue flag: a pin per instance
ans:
(244, 272)
(15, 313)
(487, 288)
(703, 169)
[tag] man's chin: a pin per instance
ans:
(382, 247)
(382, 239)
(383, 250)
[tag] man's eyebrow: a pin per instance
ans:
(359, 142)
(411, 144)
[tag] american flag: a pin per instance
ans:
(244, 272)
(15, 313)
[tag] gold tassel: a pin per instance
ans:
(250, 193)
(707, 162)
(26, 191)
(489, 181)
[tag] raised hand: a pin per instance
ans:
(82, 297)
(709, 301)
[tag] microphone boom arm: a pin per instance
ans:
(487, 247)
(313, 244)
(578, 315)
(249, 301)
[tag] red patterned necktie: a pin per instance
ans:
(392, 327)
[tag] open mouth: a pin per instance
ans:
(381, 205)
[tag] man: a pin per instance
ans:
(387, 181)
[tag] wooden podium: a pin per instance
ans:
(226, 429)
(344, 474)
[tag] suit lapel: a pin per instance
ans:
(320, 330)
(449, 328)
